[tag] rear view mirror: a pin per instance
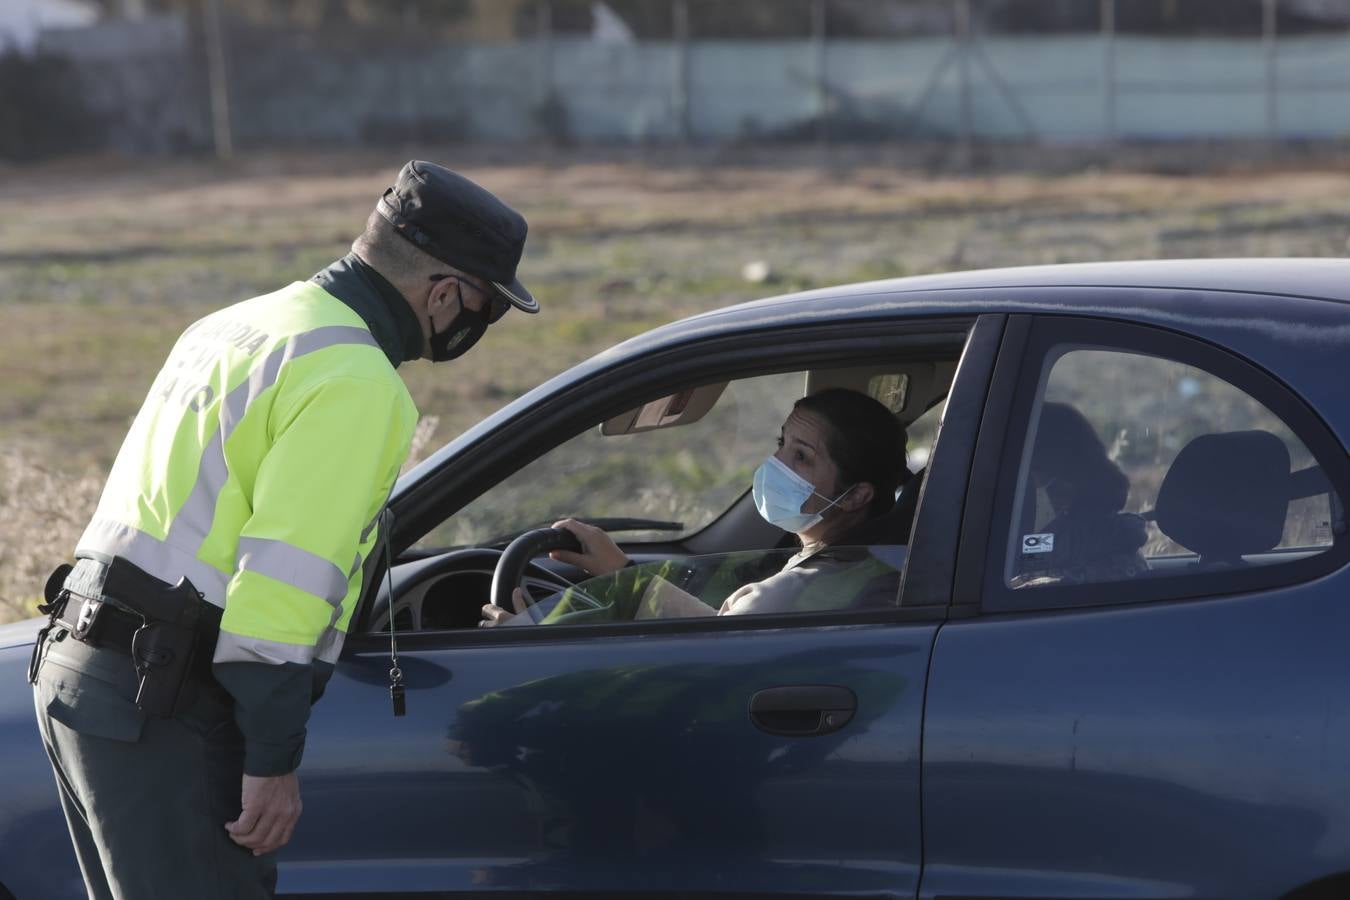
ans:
(680, 408)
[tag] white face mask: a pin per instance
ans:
(780, 494)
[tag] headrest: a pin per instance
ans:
(1226, 495)
(892, 526)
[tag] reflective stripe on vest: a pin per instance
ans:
(199, 491)
(193, 521)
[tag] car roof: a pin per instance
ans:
(1319, 278)
(1131, 290)
(1308, 278)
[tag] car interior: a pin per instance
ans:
(445, 579)
(1224, 502)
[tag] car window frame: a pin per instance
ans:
(785, 348)
(1030, 341)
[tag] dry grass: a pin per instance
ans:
(42, 512)
(109, 259)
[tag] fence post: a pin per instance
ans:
(217, 81)
(1269, 39)
(821, 99)
(1109, 68)
(963, 26)
(545, 119)
(680, 98)
(409, 78)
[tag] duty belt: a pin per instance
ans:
(98, 623)
(92, 610)
(169, 631)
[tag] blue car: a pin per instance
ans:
(1140, 694)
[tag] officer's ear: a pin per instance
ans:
(443, 294)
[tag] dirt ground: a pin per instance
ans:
(104, 261)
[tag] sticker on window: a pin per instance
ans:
(1034, 544)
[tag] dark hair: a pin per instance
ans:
(1067, 447)
(865, 441)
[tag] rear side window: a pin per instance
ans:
(1136, 466)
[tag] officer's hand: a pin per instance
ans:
(599, 554)
(271, 807)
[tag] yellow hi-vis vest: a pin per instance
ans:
(258, 466)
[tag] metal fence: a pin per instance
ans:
(944, 70)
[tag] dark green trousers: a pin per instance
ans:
(146, 799)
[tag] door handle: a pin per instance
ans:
(800, 710)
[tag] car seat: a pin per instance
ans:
(1226, 496)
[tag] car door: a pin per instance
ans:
(1141, 693)
(755, 756)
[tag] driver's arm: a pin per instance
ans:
(599, 554)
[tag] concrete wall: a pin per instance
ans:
(142, 82)
(289, 88)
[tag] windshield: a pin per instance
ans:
(668, 482)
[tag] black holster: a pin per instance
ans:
(165, 648)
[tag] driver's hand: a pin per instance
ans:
(494, 615)
(599, 554)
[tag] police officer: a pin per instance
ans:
(213, 588)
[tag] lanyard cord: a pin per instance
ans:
(395, 673)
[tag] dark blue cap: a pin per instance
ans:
(449, 217)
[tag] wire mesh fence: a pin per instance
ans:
(265, 72)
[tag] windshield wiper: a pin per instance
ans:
(604, 524)
(622, 524)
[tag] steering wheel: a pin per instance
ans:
(517, 555)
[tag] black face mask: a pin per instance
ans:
(460, 336)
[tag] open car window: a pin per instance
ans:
(668, 478)
(661, 483)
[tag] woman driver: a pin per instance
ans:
(840, 461)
